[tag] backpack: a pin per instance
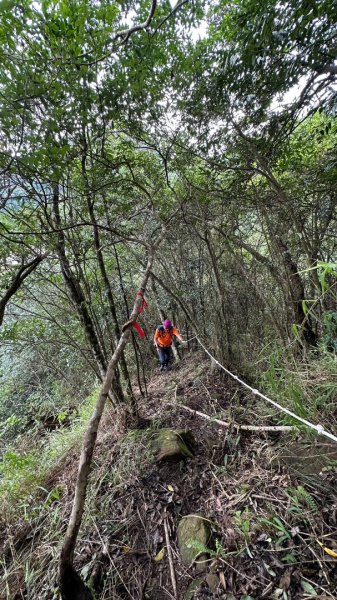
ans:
(161, 329)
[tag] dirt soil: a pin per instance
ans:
(268, 522)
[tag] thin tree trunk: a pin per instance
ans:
(117, 388)
(136, 348)
(123, 363)
(75, 290)
(134, 406)
(107, 286)
(295, 284)
(297, 294)
(176, 298)
(71, 584)
(292, 284)
(224, 316)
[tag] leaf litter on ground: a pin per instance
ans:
(264, 529)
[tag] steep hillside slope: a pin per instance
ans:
(212, 513)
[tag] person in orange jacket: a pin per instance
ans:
(163, 341)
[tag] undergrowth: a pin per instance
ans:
(258, 512)
(23, 471)
(307, 387)
(115, 467)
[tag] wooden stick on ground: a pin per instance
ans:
(170, 558)
(235, 425)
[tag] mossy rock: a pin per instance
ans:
(213, 582)
(172, 445)
(193, 537)
(306, 459)
(193, 588)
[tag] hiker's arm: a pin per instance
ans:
(176, 332)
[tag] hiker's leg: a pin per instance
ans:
(167, 355)
(162, 356)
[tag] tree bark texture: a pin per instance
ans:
(297, 294)
(107, 286)
(75, 289)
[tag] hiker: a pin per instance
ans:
(163, 341)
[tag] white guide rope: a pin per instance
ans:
(190, 339)
(318, 428)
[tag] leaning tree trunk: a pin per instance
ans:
(294, 281)
(75, 289)
(71, 585)
(101, 263)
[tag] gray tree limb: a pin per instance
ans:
(71, 585)
(17, 281)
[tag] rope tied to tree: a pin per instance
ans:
(318, 428)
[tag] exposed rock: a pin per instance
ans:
(212, 581)
(193, 536)
(193, 588)
(172, 445)
(307, 459)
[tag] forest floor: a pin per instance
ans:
(269, 500)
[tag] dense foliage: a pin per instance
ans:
(105, 135)
(214, 120)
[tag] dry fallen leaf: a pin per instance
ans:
(160, 555)
(327, 550)
(222, 579)
(284, 582)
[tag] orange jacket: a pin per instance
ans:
(164, 338)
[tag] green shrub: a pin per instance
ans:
(22, 472)
(308, 388)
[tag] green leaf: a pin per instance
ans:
(308, 588)
(85, 571)
(289, 558)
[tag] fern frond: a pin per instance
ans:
(302, 492)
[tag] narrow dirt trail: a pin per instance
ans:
(256, 508)
(264, 521)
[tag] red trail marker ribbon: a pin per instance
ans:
(143, 305)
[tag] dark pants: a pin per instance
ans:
(164, 355)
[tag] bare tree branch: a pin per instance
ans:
(125, 33)
(17, 281)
